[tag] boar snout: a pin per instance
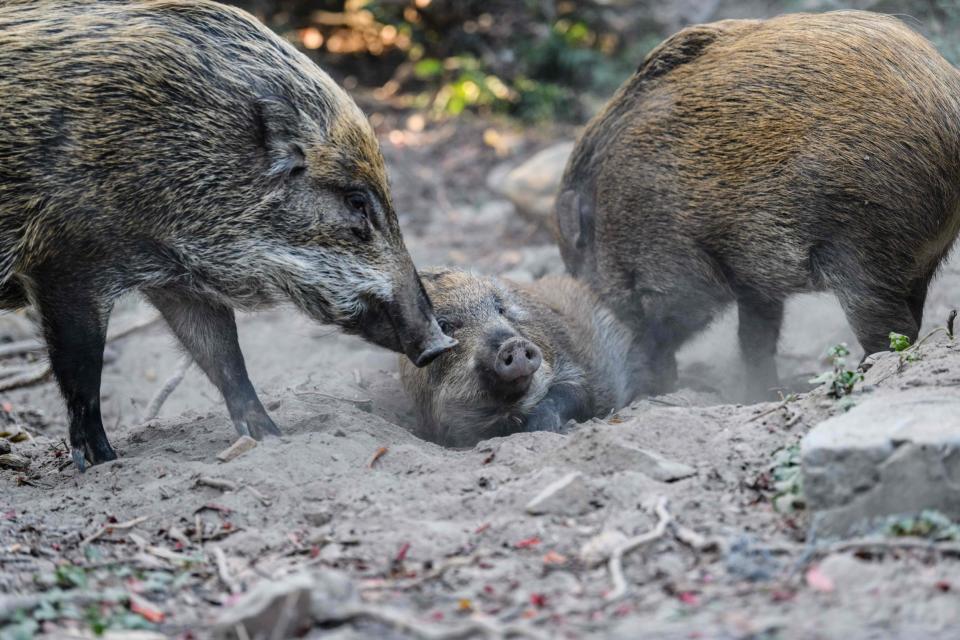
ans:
(405, 324)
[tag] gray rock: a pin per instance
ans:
(568, 496)
(14, 461)
(532, 186)
(892, 454)
(287, 607)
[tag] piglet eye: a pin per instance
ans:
(501, 309)
(358, 203)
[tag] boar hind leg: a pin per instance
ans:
(874, 314)
(759, 330)
(208, 332)
(918, 297)
(75, 327)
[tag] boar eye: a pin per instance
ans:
(500, 308)
(358, 204)
(446, 326)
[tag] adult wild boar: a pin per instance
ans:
(179, 148)
(749, 160)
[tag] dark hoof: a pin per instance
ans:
(258, 425)
(78, 460)
(97, 455)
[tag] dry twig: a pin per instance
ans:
(616, 558)
(42, 371)
(30, 376)
(156, 402)
(780, 405)
(121, 526)
(264, 500)
(379, 453)
(434, 573)
(217, 483)
(223, 571)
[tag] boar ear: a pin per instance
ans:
(574, 219)
(279, 127)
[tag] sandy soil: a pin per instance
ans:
(442, 536)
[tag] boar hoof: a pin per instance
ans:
(97, 454)
(256, 425)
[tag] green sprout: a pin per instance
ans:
(840, 379)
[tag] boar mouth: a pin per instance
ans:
(394, 326)
(505, 392)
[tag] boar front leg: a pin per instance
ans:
(208, 331)
(75, 327)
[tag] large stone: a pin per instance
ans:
(893, 454)
(288, 607)
(532, 186)
(571, 495)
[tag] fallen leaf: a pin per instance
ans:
(402, 554)
(526, 543)
(552, 557)
(818, 580)
(942, 585)
(146, 609)
(464, 604)
(782, 595)
(538, 600)
(688, 597)
(379, 453)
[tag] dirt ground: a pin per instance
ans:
(442, 537)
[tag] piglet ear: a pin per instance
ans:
(280, 130)
(433, 274)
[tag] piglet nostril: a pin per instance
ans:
(517, 358)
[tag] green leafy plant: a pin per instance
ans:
(788, 480)
(929, 524)
(899, 342)
(841, 379)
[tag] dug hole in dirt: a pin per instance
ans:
(657, 522)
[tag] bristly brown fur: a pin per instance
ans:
(182, 149)
(750, 160)
(161, 93)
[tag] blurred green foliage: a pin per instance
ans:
(532, 59)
